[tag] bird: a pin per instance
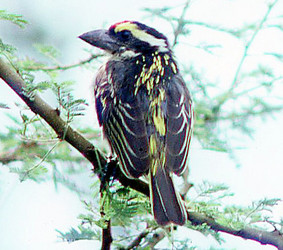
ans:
(145, 110)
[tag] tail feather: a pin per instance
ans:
(167, 205)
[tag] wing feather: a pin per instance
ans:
(179, 125)
(124, 127)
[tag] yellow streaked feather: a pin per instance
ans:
(158, 117)
(166, 59)
(152, 145)
(161, 94)
(154, 166)
(159, 122)
(153, 152)
(150, 84)
(174, 67)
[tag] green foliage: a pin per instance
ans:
(48, 51)
(39, 154)
(121, 205)
(82, 233)
(206, 189)
(6, 48)
(70, 106)
(210, 199)
(118, 204)
(238, 217)
(14, 18)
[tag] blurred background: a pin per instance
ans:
(30, 212)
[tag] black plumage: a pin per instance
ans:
(145, 110)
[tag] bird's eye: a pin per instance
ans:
(125, 35)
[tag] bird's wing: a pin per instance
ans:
(124, 126)
(179, 114)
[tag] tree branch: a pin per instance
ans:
(65, 132)
(136, 242)
(106, 237)
(156, 238)
(274, 238)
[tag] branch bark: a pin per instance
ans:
(106, 237)
(274, 238)
(65, 132)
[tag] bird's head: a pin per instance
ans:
(127, 38)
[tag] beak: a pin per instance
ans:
(101, 39)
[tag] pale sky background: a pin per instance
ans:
(30, 212)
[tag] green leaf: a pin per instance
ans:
(6, 48)
(14, 18)
(81, 234)
(48, 51)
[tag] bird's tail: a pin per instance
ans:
(167, 205)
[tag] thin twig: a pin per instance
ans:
(15, 154)
(246, 114)
(41, 161)
(249, 43)
(136, 242)
(244, 92)
(211, 26)
(156, 238)
(62, 67)
(180, 24)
